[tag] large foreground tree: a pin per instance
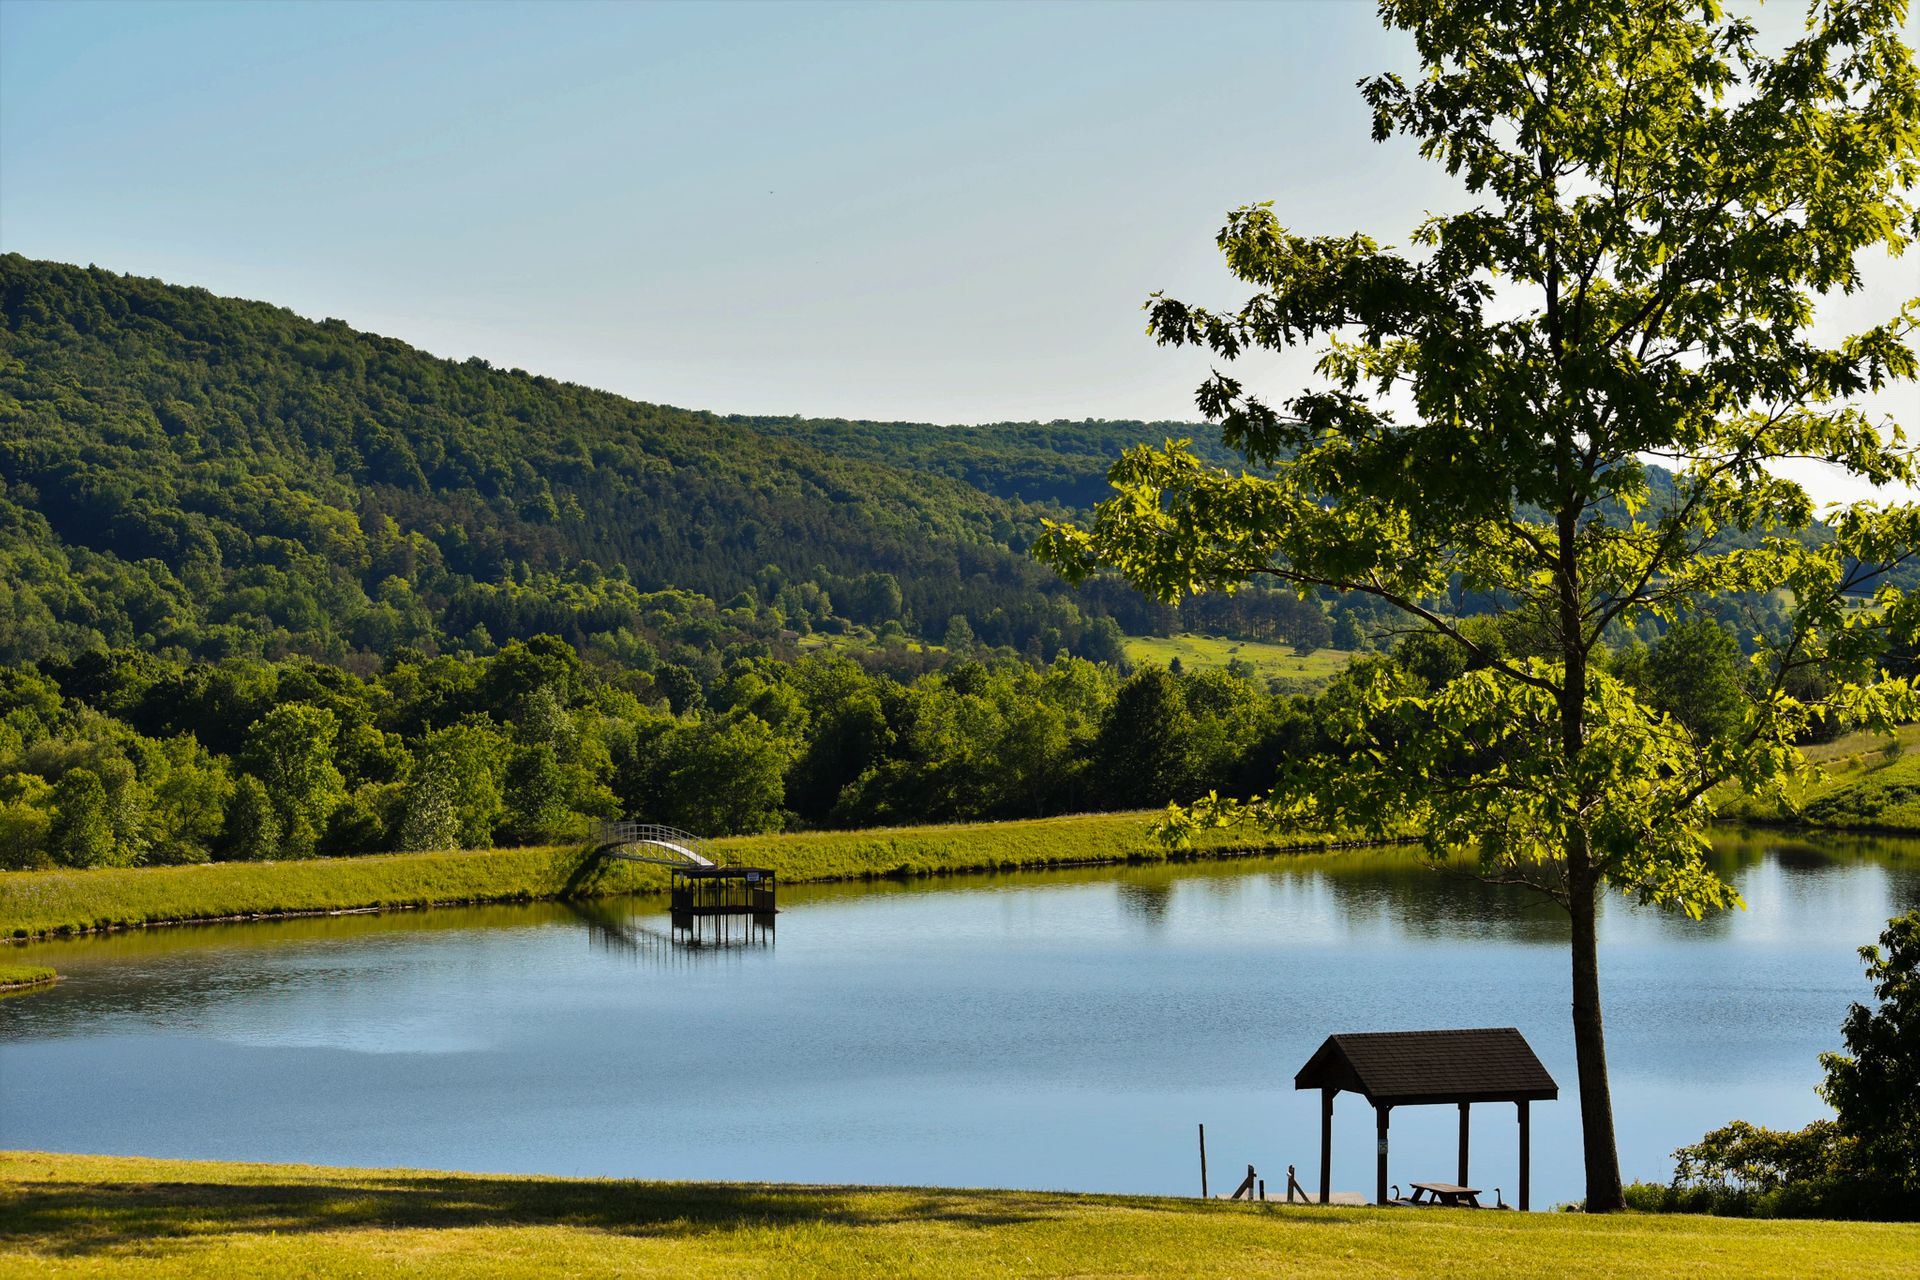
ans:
(1657, 203)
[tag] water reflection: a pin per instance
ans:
(1146, 901)
(1041, 1029)
(631, 929)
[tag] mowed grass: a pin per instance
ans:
(1872, 784)
(97, 1215)
(38, 903)
(1200, 653)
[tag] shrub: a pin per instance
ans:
(1864, 1163)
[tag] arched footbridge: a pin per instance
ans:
(701, 886)
(651, 842)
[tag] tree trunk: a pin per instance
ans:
(1590, 1046)
(1589, 1033)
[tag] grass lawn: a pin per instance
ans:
(1198, 653)
(98, 1215)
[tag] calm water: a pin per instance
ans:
(1036, 1030)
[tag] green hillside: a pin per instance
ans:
(1061, 464)
(217, 477)
(1872, 784)
(205, 477)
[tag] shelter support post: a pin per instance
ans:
(1380, 1169)
(1326, 1145)
(1462, 1179)
(1526, 1170)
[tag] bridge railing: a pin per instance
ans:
(611, 833)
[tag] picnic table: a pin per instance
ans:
(1447, 1195)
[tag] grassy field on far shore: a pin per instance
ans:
(1199, 653)
(99, 1215)
(1872, 784)
(38, 903)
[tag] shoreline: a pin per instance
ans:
(1818, 828)
(37, 906)
(25, 977)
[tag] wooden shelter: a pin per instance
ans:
(721, 890)
(1421, 1068)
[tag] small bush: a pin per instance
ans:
(1865, 1163)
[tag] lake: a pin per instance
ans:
(1047, 1030)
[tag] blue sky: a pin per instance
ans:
(945, 212)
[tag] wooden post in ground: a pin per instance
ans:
(1246, 1187)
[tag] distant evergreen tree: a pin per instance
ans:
(1143, 755)
(958, 639)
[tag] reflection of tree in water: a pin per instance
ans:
(1147, 900)
(1806, 855)
(1451, 902)
(1443, 902)
(687, 939)
(1395, 885)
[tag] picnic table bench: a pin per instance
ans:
(1447, 1195)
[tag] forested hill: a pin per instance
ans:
(1058, 463)
(214, 476)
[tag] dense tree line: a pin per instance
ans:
(121, 757)
(1060, 465)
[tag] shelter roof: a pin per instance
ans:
(1397, 1068)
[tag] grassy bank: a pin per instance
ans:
(62, 1214)
(981, 846)
(36, 903)
(18, 977)
(1872, 784)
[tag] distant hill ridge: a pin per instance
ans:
(215, 476)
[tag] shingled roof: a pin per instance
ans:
(1396, 1068)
